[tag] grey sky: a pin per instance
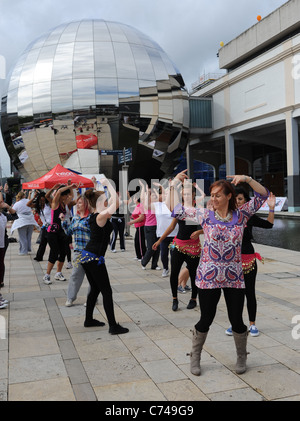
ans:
(189, 31)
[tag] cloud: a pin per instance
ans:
(189, 31)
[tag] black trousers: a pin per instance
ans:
(151, 238)
(43, 244)
(139, 242)
(97, 276)
(208, 301)
(119, 228)
(177, 260)
(250, 279)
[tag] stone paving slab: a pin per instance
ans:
(46, 354)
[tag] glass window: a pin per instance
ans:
(128, 88)
(106, 91)
(12, 101)
(105, 65)
(158, 65)
(54, 36)
(25, 101)
(132, 35)
(69, 33)
(83, 93)
(83, 60)
(170, 67)
(124, 61)
(101, 32)
(26, 76)
(61, 95)
(85, 31)
(43, 68)
(16, 72)
(63, 61)
(116, 32)
(143, 63)
(41, 97)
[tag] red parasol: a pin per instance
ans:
(84, 141)
(58, 174)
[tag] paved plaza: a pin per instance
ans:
(47, 354)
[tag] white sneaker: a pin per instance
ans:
(69, 265)
(143, 267)
(165, 273)
(59, 277)
(253, 330)
(69, 303)
(47, 279)
(3, 305)
(113, 251)
(157, 268)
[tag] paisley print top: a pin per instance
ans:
(220, 264)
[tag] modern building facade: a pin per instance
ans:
(256, 106)
(88, 89)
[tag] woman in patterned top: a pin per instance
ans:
(220, 266)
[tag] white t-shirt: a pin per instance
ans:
(45, 214)
(3, 221)
(163, 219)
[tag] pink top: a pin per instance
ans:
(136, 213)
(150, 218)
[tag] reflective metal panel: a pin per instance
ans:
(90, 86)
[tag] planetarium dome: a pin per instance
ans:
(92, 86)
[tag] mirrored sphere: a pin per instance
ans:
(88, 89)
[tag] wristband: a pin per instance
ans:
(250, 179)
(271, 210)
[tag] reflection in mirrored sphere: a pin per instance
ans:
(92, 86)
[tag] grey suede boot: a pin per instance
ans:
(195, 355)
(240, 340)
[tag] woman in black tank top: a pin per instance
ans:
(93, 257)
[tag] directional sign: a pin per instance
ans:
(111, 152)
(128, 156)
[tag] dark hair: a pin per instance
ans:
(37, 201)
(240, 190)
(227, 188)
(92, 197)
(64, 193)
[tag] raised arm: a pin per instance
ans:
(255, 185)
(113, 203)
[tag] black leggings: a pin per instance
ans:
(57, 244)
(177, 260)
(208, 301)
(99, 281)
(250, 293)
